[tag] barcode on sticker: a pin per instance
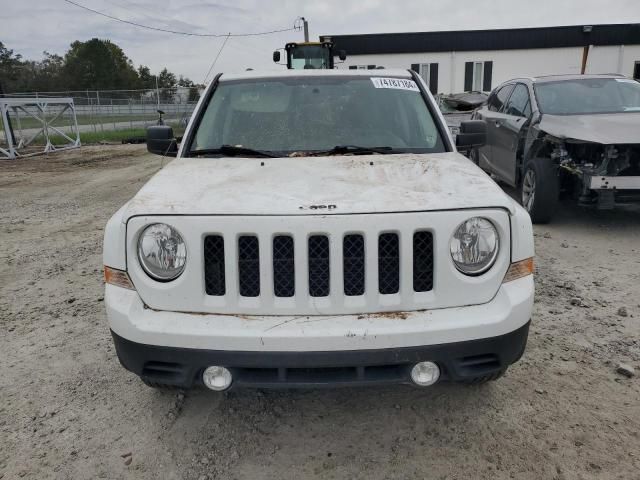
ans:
(398, 83)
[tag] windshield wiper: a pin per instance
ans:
(354, 150)
(232, 151)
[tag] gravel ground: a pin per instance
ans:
(69, 410)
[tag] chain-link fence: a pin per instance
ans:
(111, 115)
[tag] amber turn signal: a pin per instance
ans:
(119, 278)
(519, 269)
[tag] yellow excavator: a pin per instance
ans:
(309, 55)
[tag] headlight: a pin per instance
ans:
(162, 252)
(474, 246)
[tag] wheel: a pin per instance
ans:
(159, 386)
(474, 156)
(539, 189)
(492, 377)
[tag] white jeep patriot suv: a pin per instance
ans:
(318, 228)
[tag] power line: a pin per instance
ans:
(130, 7)
(176, 32)
(216, 59)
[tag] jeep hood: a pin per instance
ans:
(299, 186)
(607, 129)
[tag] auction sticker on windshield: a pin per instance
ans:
(397, 83)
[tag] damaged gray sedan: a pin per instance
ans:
(577, 135)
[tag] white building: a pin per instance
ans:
(452, 62)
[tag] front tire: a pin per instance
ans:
(539, 189)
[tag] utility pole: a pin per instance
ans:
(157, 92)
(306, 29)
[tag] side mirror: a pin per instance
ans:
(276, 56)
(473, 133)
(342, 55)
(160, 140)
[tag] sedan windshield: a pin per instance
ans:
(589, 95)
(317, 114)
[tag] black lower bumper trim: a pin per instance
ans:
(459, 361)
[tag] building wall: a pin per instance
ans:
(618, 59)
(508, 64)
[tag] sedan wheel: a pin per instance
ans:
(474, 156)
(539, 189)
(528, 190)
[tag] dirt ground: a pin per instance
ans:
(69, 410)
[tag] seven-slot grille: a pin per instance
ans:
(283, 274)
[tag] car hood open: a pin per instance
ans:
(604, 128)
(317, 185)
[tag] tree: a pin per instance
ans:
(145, 78)
(185, 82)
(92, 65)
(166, 79)
(10, 66)
(167, 83)
(98, 65)
(194, 92)
(48, 73)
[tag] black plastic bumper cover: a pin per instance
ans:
(458, 361)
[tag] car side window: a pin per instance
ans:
(519, 103)
(498, 98)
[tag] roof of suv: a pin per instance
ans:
(316, 73)
(556, 78)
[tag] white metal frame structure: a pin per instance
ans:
(20, 107)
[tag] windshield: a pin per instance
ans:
(589, 95)
(299, 114)
(309, 57)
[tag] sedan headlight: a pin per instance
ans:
(162, 252)
(474, 246)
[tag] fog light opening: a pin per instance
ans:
(425, 374)
(217, 378)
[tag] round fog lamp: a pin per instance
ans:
(425, 373)
(217, 378)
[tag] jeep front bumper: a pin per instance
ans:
(466, 342)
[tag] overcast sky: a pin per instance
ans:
(31, 26)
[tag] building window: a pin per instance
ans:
(478, 68)
(477, 76)
(636, 71)
(429, 73)
(424, 72)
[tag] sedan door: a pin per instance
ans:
(508, 126)
(491, 114)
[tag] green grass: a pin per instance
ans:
(110, 136)
(30, 122)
